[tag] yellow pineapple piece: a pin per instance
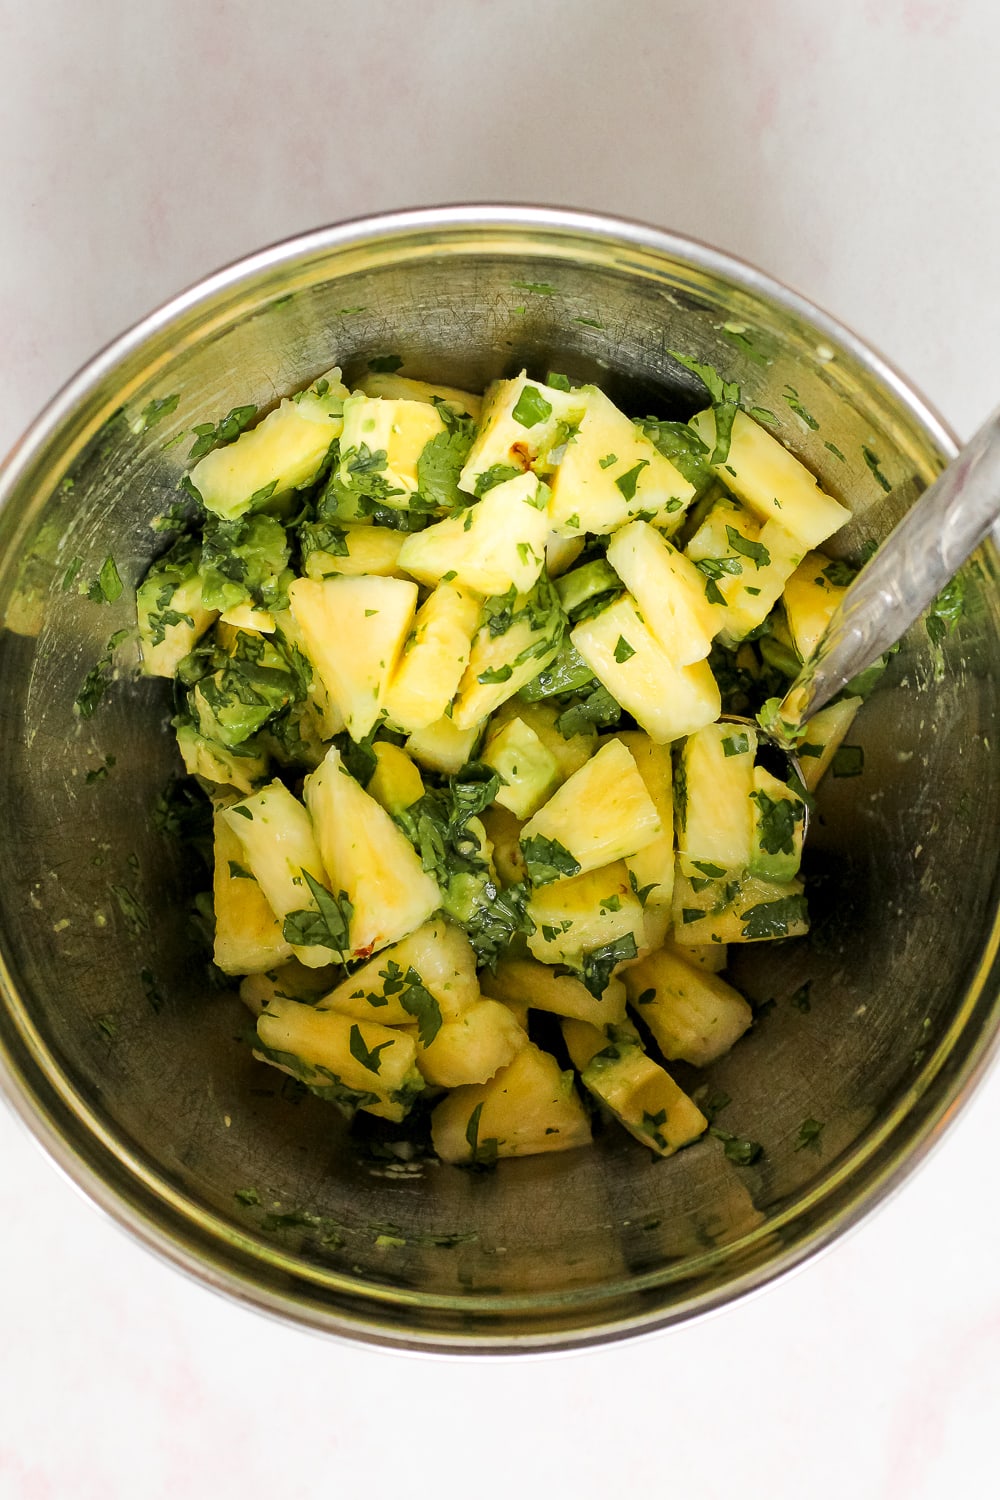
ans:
(401, 387)
(810, 599)
(636, 1090)
(714, 821)
(667, 701)
(528, 771)
(588, 911)
(442, 746)
(694, 1015)
(281, 853)
(355, 1064)
(354, 631)
(399, 429)
(668, 589)
(287, 981)
(473, 1047)
(740, 909)
(652, 866)
(395, 782)
(772, 481)
(522, 423)
(500, 665)
(248, 936)
(283, 452)
(526, 1108)
(825, 733)
(226, 765)
(491, 546)
(524, 981)
(367, 857)
(611, 473)
(441, 958)
(503, 830)
(763, 557)
(602, 813)
(364, 550)
(434, 658)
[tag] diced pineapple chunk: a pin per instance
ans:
(171, 616)
(751, 564)
(772, 481)
(248, 936)
(669, 591)
(810, 599)
(527, 1108)
(434, 658)
(400, 387)
(500, 665)
(824, 736)
(667, 701)
(361, 550)
(280, 849)
(227, 765)
(443, 747)
(354, 630)
(355, 1064)
(473, 1047)
(396, 430)
(740, 909)
(522, 422)
(652, 867)
(327, 717)
(715, 779)
(692, 1014)
(561, 552)
(438, 957)
(569, 754)
(602, 813)
(283, 452)
(491, 546)
(395, 782)
(638, 1092)
(288, 981)
(778, 828)
(573, 917)
(369, 858)
(611, 473)
(711, 957)
(541, 987)
(528, 771)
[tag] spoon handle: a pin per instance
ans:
(906, 574)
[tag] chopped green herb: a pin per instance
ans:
(839, 573)
(772, 919)
(496, 674)
(157, 409)
(809, 1135)
(600, 963)
(100, 773)
(836, 452)
(484, 1153)
(791, 397)
(107, 586)
(531, 407)
(108, 1025)
(725, 396)
(776, 822)
(800, 1000)
(135, 914)
(327, 925)
(946, 611)
(238, 872)
(848, 760)
(737, 1149)
(494, 475)
(385, 364)
(713, 872)
(558, 382)
(208, 436)
(627, 482)
(608, 460)
(247, 1197)
(755, 551)
(540, 288)
(546, 859)
(623, 650)
(872, 460)
(736, 744)
(369, 1059)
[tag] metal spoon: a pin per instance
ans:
(905, 575)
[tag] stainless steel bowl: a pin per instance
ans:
(135, 1073)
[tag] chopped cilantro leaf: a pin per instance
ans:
(599, 963)
(776, 821)
(496, 674)
(494, 475)
(547, 859)
(326, 925)
(755, 551)
(809, 1135)
(623, 650)
(946, 610)
(772, 919)
(848, 760)
(791, 397)
(628, 481)
(368, 1058)
(208, 436)
(736, 744)
(531, 407)
(156, 410)
(558, 382)
(872, 460)
(608, 460)
(713, 872)
(725, 396)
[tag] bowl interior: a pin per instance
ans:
(137, 1071)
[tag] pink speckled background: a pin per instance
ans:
(848, 148)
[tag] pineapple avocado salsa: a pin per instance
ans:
(452, 670)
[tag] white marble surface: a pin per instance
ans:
(849, 149)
